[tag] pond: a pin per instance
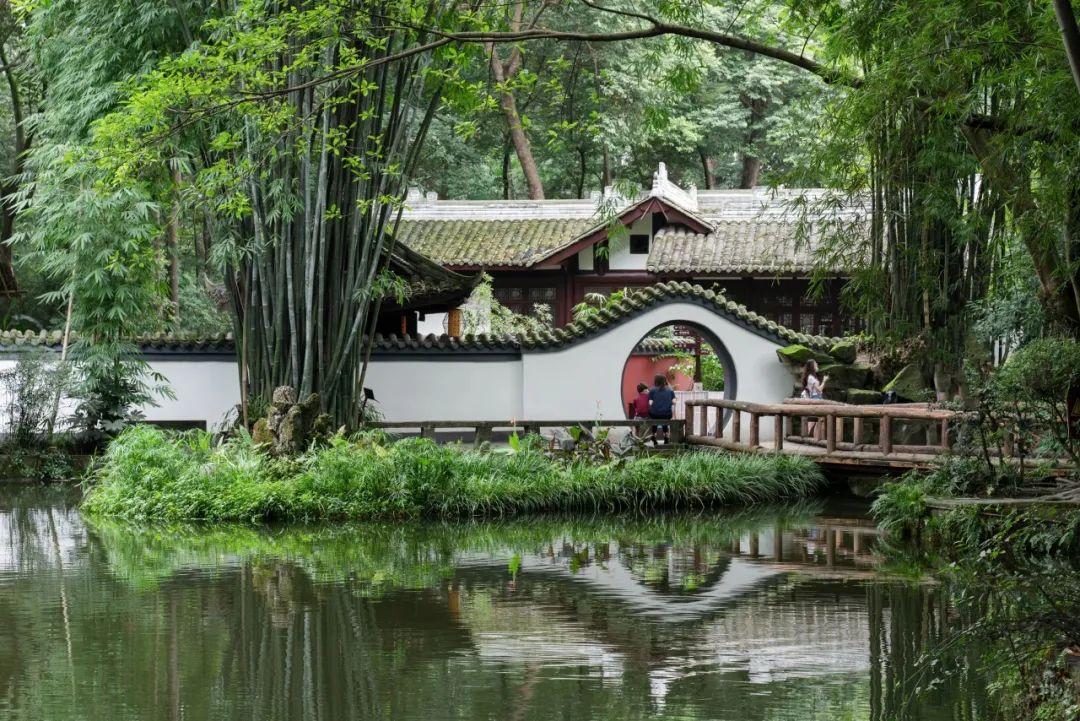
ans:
(767, 614)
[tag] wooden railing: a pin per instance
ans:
(830, 422)
(485, 430)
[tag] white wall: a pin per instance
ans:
(467, 387)
(585, 380)
(432, 324)
(580, 382)
(621, 258)
(205, 390)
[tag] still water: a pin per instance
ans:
(770, 614)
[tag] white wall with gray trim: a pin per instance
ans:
(580, 381)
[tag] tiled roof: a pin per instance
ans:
(16, 340)
(754, 231)
(634, 303)
(734, 246)
(490, 242)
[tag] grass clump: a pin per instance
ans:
(147, 473)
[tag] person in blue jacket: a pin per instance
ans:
(661, 405)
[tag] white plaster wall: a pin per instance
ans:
(621, 258)
(584, 380)
(432, 324)
(577, 383)
(467, 388)
(205, 390)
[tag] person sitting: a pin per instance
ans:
(639, 407)
(661, 405)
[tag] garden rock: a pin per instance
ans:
(909, 384)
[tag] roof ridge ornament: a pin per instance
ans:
(663, 188)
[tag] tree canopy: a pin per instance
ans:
(184, 154)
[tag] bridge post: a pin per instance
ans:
(856, 432)
(718, 432)
(830, 433)
(483, 433)
(946, 441)
(703, 418)
(678, 432)
(736, 425)
(886, 434)
(839, 429)
(689, 418)
(755, 430)
(778, 432)
(427, 431)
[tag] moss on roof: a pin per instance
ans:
(487, 243)
(735, 246)
(634, 303)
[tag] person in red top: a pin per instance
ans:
(640, 406)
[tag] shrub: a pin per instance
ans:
(148, 473)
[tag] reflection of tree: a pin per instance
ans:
(385, 621)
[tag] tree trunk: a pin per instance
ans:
(582, 169)
(203, 239)
(10, 185)
(172, 248)
(507, 182)
(520, 141)
(708, 168)
(751, 165)
(1070, 35)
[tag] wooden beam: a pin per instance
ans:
(755, 430)
(946, 440)
(736, 425)
(830, 434)
(886, 435)
(856, 431)
(778, 433)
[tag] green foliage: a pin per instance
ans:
(32, 390)
(483, 313)
(712, 370)
(593, 304)
(150, 474)
(380, 557)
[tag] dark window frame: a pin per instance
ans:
(637, 249)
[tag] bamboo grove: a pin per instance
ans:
(306, 291)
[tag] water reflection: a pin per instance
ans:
(766, 615)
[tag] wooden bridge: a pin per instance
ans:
(838, 436)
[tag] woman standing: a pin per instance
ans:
(812, 386)
(815, 389)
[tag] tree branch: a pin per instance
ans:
(1070, 35)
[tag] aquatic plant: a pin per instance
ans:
(147, 473)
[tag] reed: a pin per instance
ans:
(147, 473)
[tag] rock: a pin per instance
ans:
(283, 397)
(844, 376)
(862, 397)
(260, 433)
(797, 355)
(844, 351)
(909, 384)
(290, 427)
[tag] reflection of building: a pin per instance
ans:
(751, 243)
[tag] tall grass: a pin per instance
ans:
(150, 474)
